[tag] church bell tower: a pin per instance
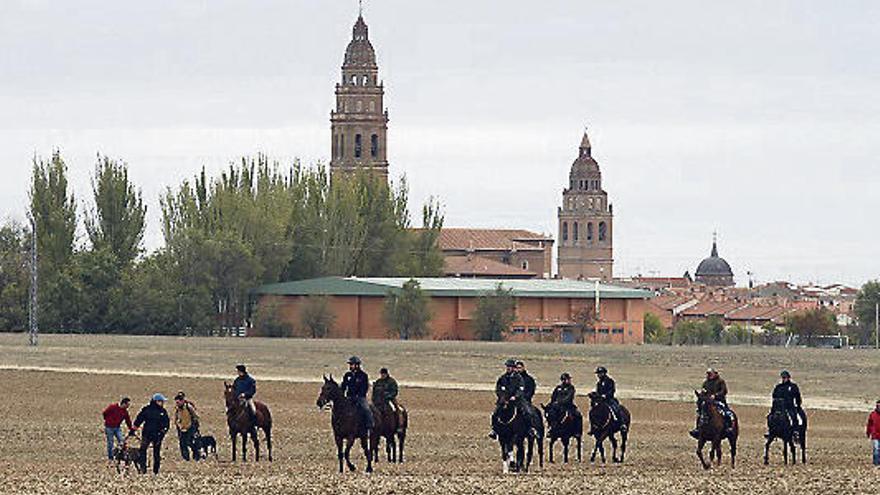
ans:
(359, 123)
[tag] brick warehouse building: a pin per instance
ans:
(545, 309)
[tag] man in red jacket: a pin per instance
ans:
(114, 415)
(873, 432)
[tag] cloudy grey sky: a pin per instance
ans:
(758, 119)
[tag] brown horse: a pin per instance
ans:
(388, 427)
(712, 429)
(602, 426)
(240, 423)
(346, 422)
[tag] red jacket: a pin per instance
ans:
(873, 428)
(114, 415)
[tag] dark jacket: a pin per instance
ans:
(509, 385)
(563, 395)
(529, 386)
(355, 384)
(716, 387)
(384, 390)
(155, 420)
(245, 385)
(605, 387)
(789, 393)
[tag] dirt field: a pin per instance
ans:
(51, 439)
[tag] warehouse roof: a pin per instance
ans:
(450, 287)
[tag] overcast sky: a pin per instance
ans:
(758, 119)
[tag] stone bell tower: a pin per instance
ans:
(585, 221)
(360, 122)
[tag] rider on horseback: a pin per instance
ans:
(716, 388)
(385, 394)
(245, 387)
(563, 395)
(509, 386)
(790, 394)
(529, 388)
(605, 389)
(355, 384)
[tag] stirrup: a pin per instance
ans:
(493, 435)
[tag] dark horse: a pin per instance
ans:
(712, 429)
(565, 425)
(779, 426)
(346, 422)
(512, 427)
(387, 427)
(240, 422)
(602, 426)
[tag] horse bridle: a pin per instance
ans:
(515, 413)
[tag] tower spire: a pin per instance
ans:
(715, 244)
(360, 8)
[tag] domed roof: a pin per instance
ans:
(360, 51)
(584, 165)
(714, 265)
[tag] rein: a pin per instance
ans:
(515, 413)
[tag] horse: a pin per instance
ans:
(563, 424)
(240, 422)
(388, 427)
(712, 429)
(603, 426)
(512, 428)
(347, 424)
(537, 438)
(779, 426)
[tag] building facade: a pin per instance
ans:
(524, 251)
(359, 123)
(585, 221)
(546, 310)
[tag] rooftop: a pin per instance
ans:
(490, 239)
(477, 266)
(450, 287)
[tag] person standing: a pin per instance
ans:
(187, 422)
(155, 421)
(873, 432)
(114, 415)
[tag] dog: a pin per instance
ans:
(128, 454)
(205, 445)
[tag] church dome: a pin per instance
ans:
(584, 166)
(360, 52)
(714, 270)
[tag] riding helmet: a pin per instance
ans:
(564, 376)
(354, 360)
(510, 363)
(383, 371)
(601, 369)
(785, 374)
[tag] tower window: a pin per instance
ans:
(364, 81)
(354, 80)
(603, 231)
(359, 105)
(525, 265)
(564, 231)
(341, 146)
(590, 231)
(372, 106)
(357, 146)
(374, 145)
(574, 231)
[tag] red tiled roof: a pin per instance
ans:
(490, 240)
(476, 266)
(712, 308)
(756, 313)
(669, 302)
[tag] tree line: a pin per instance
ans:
(256, 222)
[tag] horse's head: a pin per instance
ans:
(595, 398)
(553, 413)
(329, 392)
(778, 405)
(228, 395)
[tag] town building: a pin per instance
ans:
(546, 309)
(524, 251)
(585, 221)
(359, 123)
(714, 270)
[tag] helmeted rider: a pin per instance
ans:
(605, 389)
(509, 386)
(355, 385)
(385, 392)
(529, 388)
(716, 388)
(790, 394)
(563, 395)
(245, 387)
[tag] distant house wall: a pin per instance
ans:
(537, 319)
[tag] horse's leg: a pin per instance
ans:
(256, 440)
(366, 445)
(268, 431)
(718, 452)
(580, 442)
(540, 452)
(613, 439)
(595, 449)
(401, 438)
(732, 441)
(234, 436)
(700, 444)
(602, 448)
(623, 436)
(531, 446)
(339, 453)
(767, 449)
(505, 464)
(803, 441)
(348, 443)
(552, 441)
(520, 454)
